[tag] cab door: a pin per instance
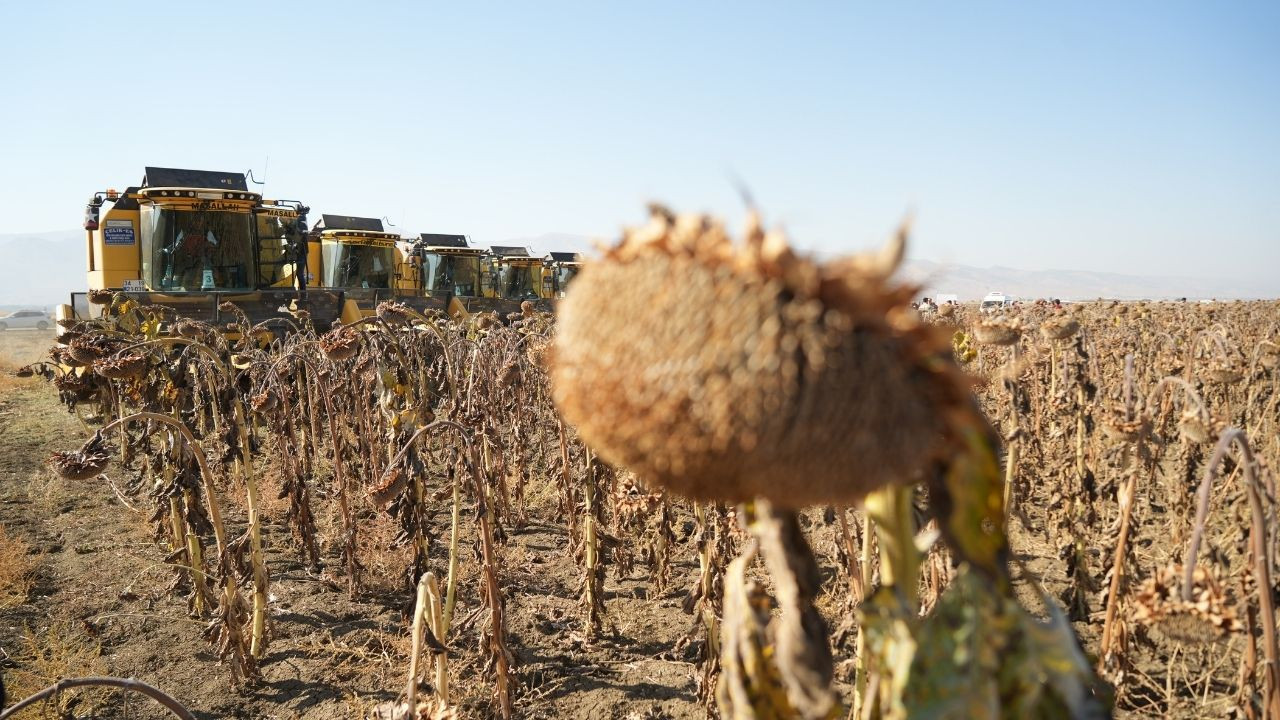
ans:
(276, 267)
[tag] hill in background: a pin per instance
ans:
(971, 283)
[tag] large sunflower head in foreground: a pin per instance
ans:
(723, 370)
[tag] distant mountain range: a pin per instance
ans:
(554, 242)
(38, 270)
(971, 283)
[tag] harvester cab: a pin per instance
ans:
(445, 269)
(562, 267)
(188, 240)
(358, 257)
(513, 275)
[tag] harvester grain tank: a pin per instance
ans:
(188, 240)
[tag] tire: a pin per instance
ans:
(3, 327)
(42, 325)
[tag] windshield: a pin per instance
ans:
(564, 275)
(357, 266)
(197, 250)
(457, 274)
(520, 282)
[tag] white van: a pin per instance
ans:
(995, 301)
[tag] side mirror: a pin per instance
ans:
(91, 216)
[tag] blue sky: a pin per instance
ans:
(1131, 137)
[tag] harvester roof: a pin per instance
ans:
(443, 244)
(511, 252)
(350, 222)
(204, 179)
(441, 240)
(354, 230)
(566, 258)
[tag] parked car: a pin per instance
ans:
(26, 319)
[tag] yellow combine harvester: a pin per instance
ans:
(190, 239)
(561, 267)
(512, 275)
(446, 272)
(357, 257)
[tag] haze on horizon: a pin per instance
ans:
(1139, 139)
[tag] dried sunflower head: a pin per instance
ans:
(998, 331)
(1195, 428)
(946, 310)
(340, 343)
(101, 296)
(74, 383)
(1269, 357)
(62, 356)
(536, 351)
(82, 464)
(729, 372)
(395, 312)
(1222, 373)
(509, 375)
(188, 328)
(264, 401)
(88, 349)
(526, 308)
(121, 367)
(1206, 617)
(393, 482)
(1117, 427)
(1059, 327)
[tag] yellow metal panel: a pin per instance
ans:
(117, 249)
(351, 312)
(313, 264)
